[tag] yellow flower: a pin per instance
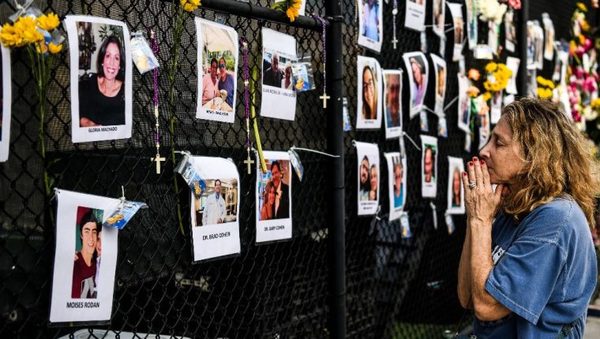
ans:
(581, 7)
(10, 37)
(581, 39)
(189, 5)
(41, 47)
(585, 26)
(487, 96)
(53, 48)
(540, 80)
(472, 91)
(27, 28)
(544, 93)
(490, 67)
(293, 10)
(48, 22)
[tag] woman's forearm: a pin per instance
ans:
(486, 307)
(464, 273)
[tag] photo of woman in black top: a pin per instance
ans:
(102, 95)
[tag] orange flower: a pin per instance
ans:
(473, 74)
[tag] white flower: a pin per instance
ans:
(491, 10)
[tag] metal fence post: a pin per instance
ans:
(522, 78)
(335, 145)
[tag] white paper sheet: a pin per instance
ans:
(83, 291)
(217, 46)
(5, 114)
(279, 52)
(274, 198)
(370, 24)
(418, 72)
(215, 217)
(392, 106)
(456, 199)
(396, 166)
(429, 166)
(95, 115)
(368, 96)
(367, 187)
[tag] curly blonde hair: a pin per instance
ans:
(556, 159)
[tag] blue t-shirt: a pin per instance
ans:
(544, 272)
(228, 86)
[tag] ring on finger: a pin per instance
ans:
(472, 184)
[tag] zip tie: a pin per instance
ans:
(428, 110)
(315, 151)
(184, 153)
(56, 192)
(449, 29)
(446, 25)
(451, 102)
(411, 140)
(122, 203)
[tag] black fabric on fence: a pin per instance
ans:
(395, 287)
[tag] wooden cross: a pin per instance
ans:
(249, 163)
(158, 159)
(324, 97)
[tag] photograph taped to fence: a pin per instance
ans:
(513, 64)
(471, 23)
(549, 36)
(439, 17)
(439, 66)
(101, 82)
(217, 67)
(214, 208)
(396, 166)
(429, 162)
(496, 107)
(456, 198)
(418, 70)
(459, 30)
(279, 53)
(368, 97)
(85, 258)
(368, 178)
(415, 15)
(274, 198)
(483, 111)
(510, 31)
(463, 103)
(392, 82)
(5, 103)
(370, 23)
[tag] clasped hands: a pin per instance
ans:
(481, 201)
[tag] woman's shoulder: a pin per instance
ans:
(88, 77)
(559, 216)
(88, 81)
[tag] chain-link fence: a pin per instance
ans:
(395, 287)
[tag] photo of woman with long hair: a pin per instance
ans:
(101, 78)
(102, 94)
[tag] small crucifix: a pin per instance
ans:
(158, 159)
(324, 97)
(249, 163)
(394, 41)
